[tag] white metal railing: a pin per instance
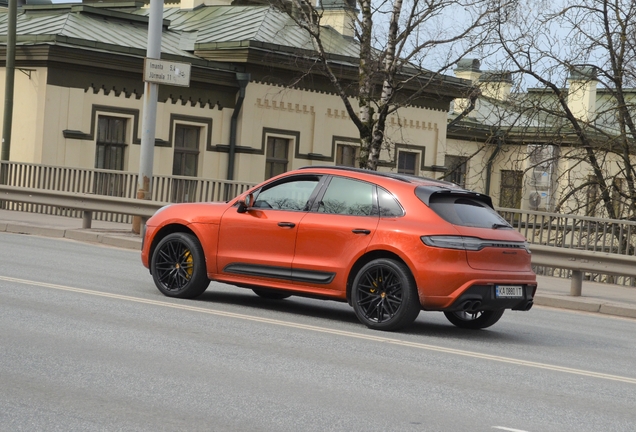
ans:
(576, 233)
(573, 231)
(111, 183)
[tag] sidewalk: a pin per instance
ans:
(553, 292)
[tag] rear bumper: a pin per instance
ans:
(450, 285)
(483, 297)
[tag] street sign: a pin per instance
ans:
(167, 72)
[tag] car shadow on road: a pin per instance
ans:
(295, 305)
(428, 324)
(448, 331)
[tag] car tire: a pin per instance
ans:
(474, 320)
(271, 295)
(178, 266)
(384, 295)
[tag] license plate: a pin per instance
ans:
(508, 291)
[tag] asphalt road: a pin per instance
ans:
(89, 344)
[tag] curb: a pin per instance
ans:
(126, 240)
(617, 310)
(34, 230)
(122, 242)
(585, 304)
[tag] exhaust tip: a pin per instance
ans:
(471, 305)
(474, 307)
(467, 305)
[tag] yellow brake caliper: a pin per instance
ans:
(375, 287)
(189, 260)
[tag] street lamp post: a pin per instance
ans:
(8, 90)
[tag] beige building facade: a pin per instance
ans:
(78, 101)
(533, 161)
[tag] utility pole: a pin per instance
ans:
(149, 119)
(8, 90)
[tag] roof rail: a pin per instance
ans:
(360, 170)
(397, 176)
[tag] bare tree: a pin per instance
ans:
(578, 49)
(404, 48)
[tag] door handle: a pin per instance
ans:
(286, 224)
(361, 231)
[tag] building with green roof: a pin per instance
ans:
(79, 82)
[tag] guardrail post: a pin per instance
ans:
(87, 218)
(577, 283)
(4, 179)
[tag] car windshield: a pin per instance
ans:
(466, 211)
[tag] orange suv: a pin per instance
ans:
(388, 244)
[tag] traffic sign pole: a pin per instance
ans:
(149, 119)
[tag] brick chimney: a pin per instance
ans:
(582, 92)
(467, 69)
(339, 14)
(496, 85)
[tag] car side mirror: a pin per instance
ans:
(245, 203)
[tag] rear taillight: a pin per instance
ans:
(470, 243)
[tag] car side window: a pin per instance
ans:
(389, 207)
(292, 195)
(349, 197)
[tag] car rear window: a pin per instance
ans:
(466, 211)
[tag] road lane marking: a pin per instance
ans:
(508, 429)
(317, 329)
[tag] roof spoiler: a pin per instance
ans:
(424, 193)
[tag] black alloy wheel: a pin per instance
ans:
(474, 320)
(271, 295)
(178, 266)
(384, 295)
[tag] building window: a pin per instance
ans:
(111, 143)
(511, 189)
(276, 156)
(407, 163)
(347, 155)
(456, 166)
(186, 150)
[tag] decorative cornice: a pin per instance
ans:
(338, 114)
(118, 91)
(411, 124)
(282, 106)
